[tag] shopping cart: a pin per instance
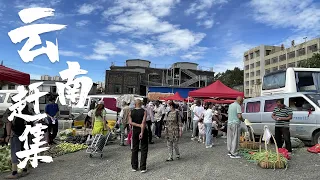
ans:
(98, 143)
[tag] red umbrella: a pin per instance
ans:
(175, 97)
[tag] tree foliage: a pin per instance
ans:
(313, 62)
(231, 78)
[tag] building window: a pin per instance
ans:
(284, 66)
(301, 52)
(11, 86)
(251, 74)
(258, 73)
(117, 89)
(267, 71)
(274, 69)
(252, 82)
(247, 83)
(268, 52)
(257, 64)
(291, 55)
(247, 67)
(247, 91)
(251, 55)
(282, 57)
(267, 62)
(131, 90)
(258, 81)
(312, 48)
(270, 105)
(247, 75)
(274, 60)
(252, 65)
(246, 57)
(253, 107)
(292, 64)
(257, 53)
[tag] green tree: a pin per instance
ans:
(231, 78)
(313, 62)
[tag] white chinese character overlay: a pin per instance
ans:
(21, 100)
(35, 148)
(74, 88)
(33, 31)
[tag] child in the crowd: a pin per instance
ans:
(215, 131)
(202, 131)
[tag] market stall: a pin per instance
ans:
(175, 97)
(13, 76)
(216, 89)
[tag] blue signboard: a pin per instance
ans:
(182, 91)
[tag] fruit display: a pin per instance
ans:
(5, 159)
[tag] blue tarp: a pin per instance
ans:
(183, 91)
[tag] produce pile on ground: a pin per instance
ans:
(5, 159)
(78, 139)
(64, 148)
(260, 158)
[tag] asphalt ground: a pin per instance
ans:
(196, 162)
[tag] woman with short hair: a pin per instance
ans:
(173, 130)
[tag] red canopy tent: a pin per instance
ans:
(175, 97)
(13, 76)
(219, 101)
(189, 99)
(216, 89)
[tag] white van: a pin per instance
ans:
(110, 103)
(5, 99)
(305, 123)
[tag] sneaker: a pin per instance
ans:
(229, 154)
(235, 156)
(134, 170)
(209, 146)
(10, 176)
(203, 142)
(192, 139)
(143, 171)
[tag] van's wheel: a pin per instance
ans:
(316, 138)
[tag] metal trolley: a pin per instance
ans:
(98, 143)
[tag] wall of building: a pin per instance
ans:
(122, 82)
(182, 91)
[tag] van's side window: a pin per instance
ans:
(299, 104)
(253, 107)
(269, 105)
(10, 98)
(2, 96)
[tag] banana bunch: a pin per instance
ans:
(70, 147)
(5, 159)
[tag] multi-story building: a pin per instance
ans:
(264, 59)
(137, 76)
(45, 77)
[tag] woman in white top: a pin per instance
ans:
(207, 121)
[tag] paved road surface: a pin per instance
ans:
(196, 162)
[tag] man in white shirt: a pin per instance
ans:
(198, 113)
(150, 120)
(159, 116)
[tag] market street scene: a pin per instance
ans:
(159, 89)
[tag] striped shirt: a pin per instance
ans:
(282, 113)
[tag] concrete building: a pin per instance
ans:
(45, 77)
(264, 59)
(137, 76)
